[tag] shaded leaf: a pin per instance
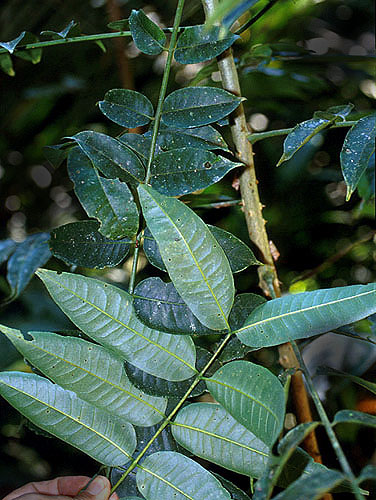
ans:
(252, 395)
(64, 415)
(338, 113)
(367, 182)
(128, 487)
(25, 260)
(244, 304)
(105, 313)
(11, 46)
(32, 55)
(368, 473)
(6, 64)
(72, 29)
(182, 171)
(195, 106)
(306, 314)
(358, 147)
(110, 156)
(168, 474)
(127, 108)
(228, 11)
(110, 201)
(92, 372)
(7, 247)
(81, 244)
(354, 417)
(236, 493)
(120, 25)
(196, 264)
(205, 137)
(210, 432)
(148, 37)
(140, 144)
(325, 370)
(57, 153)
(198, 43)
(295, 436)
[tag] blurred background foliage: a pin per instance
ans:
(302, 56)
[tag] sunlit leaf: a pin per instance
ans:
(61, 413)
(304, 315)
(168, 474)
(358, 147)
(148, 37)
(210, 432)
(92, 372)
(110, 156)
(198, 43)
(196, 106)
(127, 108)
(354, 417)
(110, 201)
(252, 395)
(81, 244)
(196, 264)
(105, 313)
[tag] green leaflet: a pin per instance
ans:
(110, 156)
(72, 29)
(354, 417)
(140, 144)
(93, 373)
(182, 171)
(196, 106)
(127, 108)
(7, 247)
(168, 474)
(210, 432)
(198, 43)
(6, 64)
(202, 138)
(63, 414)
(105, 313)
(314, 487)
(306, 314)
(358, 147)
(325, 370)
(148, 37)
(236, 493)
(252, 395)
(110, 201)
(196, 264)
(12, 44)
(81, 244)
(367, 473)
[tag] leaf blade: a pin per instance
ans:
(127, 108)
(148, 37)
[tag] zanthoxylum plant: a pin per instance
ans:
(125, 389)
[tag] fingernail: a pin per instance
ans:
(97, 486)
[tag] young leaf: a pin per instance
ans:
(105, 313)
(6, 64)
(110, 201)
(148, 37)
(168, 474)
(358, 147)
(110, 156)
(28, 256)
(11, 46)
(127, 108)
(182, 171)
(32, 55)
(210, 432)
(252, 395)
(72, 29)
(92, 372)
(201, 138)
(354, 417)
(80, 244)
(198, 43)
(196, 106)
(307, 314)
(159, 306)
(368, 473)
(197, 265)
(62, 414)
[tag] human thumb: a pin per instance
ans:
(99, 489)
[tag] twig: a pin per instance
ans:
(255, 18)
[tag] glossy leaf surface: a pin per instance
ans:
(205, 137)
(168, 474)
(196, 264)
(358, 147)
(110, 201)
(182, 171)
(127, 108)
(210, 432)
(105, 313)
(140, 144)
(110, 156)
(63, 414)
(197, 43)
(81, 244)
(354, 417)
(92, 372)
(148, 37)
(252, 395)
(196, 106)
(314, 487)
(306, 314)
(12, 44)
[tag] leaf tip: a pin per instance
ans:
(281, 160)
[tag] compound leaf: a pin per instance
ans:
(148, 37)
(61, 413)
(105, 313)
(127, 108)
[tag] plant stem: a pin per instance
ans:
(174, 411)
(255, 18)
(284, 131)
(328, 426)
(132, 278)
(268, 276)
